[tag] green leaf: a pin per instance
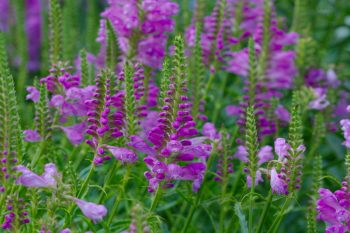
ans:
(241, 218)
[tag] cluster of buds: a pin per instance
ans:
(17, 213)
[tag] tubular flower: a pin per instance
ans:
(46, 180)
(333, 208)
(91, 210)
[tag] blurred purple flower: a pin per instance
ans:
(33, 94)
(91, 210)
(333, 208)
(31, 135)
(282, 113)
(46, 180)
(75, 133)
(278, 185)
(123, 154)
(320, 102)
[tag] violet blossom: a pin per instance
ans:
(33, 94)
(333, 208)
(91, 210)
(264, 155)
(47, 180)
(345, 126)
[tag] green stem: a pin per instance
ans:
(192, 210)
(199, 195)
(108, 180)
(156, 199)
(251, 200)
(219, 102)
(38, 153)
(264, 213)
(86, 182)
(121, 194)
(275, 225)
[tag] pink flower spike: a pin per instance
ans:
(91, 210)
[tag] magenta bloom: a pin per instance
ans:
(282, 113)
(91, 210)
(345, 126)
(281, 148)
(75, 133)
(31, 135)
(123, 154)
(33, 94)
(333, 208)
(278, 185)
(46, 180)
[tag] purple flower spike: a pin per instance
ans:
(333, 208)
(91, 210)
